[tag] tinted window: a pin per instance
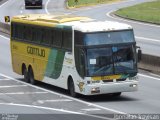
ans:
(109, 37)
(28, 33)
(56, 37)
(13, 30)
(78, 38)
(46, 36)
(67, 39)
(20, 33)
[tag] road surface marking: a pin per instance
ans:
(147, 39)
(149, 76)
(46, 6)
(54, 109)
(4, 3)
(57, 100)
(131, 21)
(23, 93)
(91, 109)
(5, 37)
(75, 99)
(13, 86)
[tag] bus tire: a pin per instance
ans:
(117, 94)
(31, 77)
(26, 76)
(71, 88)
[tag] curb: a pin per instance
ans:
(134, 19)
(89, 5)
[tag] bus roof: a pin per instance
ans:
(78, 23)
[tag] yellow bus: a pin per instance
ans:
(75, 53)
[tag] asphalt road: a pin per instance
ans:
(17, 97)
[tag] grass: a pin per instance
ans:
(80, 3)
(147, 12)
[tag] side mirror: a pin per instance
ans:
(139, 54)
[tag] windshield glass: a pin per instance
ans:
(100, 38)
(111, 60)
(124, 59)
(99, 61)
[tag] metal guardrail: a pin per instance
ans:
(5, 28)
(148, 62)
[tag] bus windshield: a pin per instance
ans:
(100, 38)
(111, 60)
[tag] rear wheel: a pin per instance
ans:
(71, 88)
(26, 76)
(31, 77)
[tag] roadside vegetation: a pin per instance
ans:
(80, 3)
(147, 12)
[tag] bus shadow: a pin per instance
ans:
(94, 98)
(108, 98)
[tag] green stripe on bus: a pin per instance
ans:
(55, 63)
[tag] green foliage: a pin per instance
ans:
(74, 3)
(148, 12)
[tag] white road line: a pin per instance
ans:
(46, 108)
(4, 3)
(13, 86)
(57, 100)
(75, 99)
(147, 39)
(91, 109)
(131, 21)
(4, 37)
(142, 38)
(149, 77)
(23, 93)
(46, 6)
(54, 109)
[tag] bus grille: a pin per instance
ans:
(118, 80)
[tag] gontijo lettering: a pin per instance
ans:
(36, 51)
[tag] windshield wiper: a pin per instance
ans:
(104, 69)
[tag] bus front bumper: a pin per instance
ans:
(106, 88)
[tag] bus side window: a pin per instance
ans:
(28, 33)
(13, 31)
(39, 35)
(34, 34)
(67, 39)
(19, 32)
(57, 41)
(25, 33)
(46, 37)
(53, 38)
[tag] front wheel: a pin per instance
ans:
(71, 88)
